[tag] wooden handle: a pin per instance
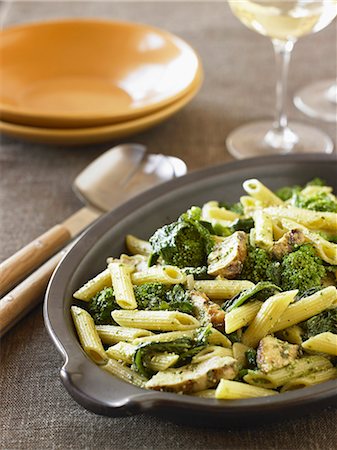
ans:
(18, 266)
(18, 302)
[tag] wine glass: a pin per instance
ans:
(319, 100)
(284, 21)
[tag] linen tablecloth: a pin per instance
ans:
(36, 412)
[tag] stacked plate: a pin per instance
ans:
(85, 81)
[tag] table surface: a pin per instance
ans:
(35, 193)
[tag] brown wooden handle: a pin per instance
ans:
(23, 262)
(18, 302)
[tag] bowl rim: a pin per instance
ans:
(12, 113)
(126, 399)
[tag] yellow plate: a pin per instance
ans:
(78, 73)
(77, 136)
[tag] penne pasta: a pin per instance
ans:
(123, 289)
(279, 377)
(137, 246)
(306, 307)
(88, 335)
(230, 390)
(155, 320)
(267, 316)
(165, 275)
(263, 230)
(260, 192)
(123, 372)
(241, 316)
(91, 287)
(323, 343)
(111, 334)
(310, 380)
(222, 289)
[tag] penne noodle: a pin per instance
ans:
(124, 373)
(137, 246)
(306, 307)
(88, 335)
(323, 343)
(111, 334)
(230, 390)
(155, 320)
(279, 377)
(222, 289)
(311, 380)
(267, 316)
(241, 316)
(164, 274)
(123, 289)
(260, 192)
(91, 287)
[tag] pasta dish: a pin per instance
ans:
(230, 301)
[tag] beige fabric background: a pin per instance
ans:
(35, 193)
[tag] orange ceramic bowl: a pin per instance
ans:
(81, 73)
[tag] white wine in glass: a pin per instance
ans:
(283, 21)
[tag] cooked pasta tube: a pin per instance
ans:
(267, 316)
(241, 316)
(260, 192)
(206, 393)
(164, 274)
(310, 380)
(162, 361)
(250, 205)
(212, 211)
(306, 308)
(314, 220)
(325, 249)
(122, 285)
(111, 334)
(323, 343)
(210, 351)
(263, 230)
(155, 320)
(230, 390)
(222, 289)
(279, 377)
(88, 335)
(137, 246)
(91, 287)
(124, 351)
(292, 334)
(214, 338)
(124, 373)
(239, 353)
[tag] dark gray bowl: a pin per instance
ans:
(100, 392)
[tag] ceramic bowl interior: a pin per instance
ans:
(82, 72)
(105, 394)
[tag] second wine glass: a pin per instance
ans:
(284, 21)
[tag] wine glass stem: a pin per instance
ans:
(282, 51)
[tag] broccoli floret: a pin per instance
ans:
(259, 266)
(316, 182)
(185, 243)
(320, 201)
(199, 273)
(101, 305)
(160, 297)
(286, 192)
(325, 321)
(302, 269)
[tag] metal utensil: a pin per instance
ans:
(111, 179)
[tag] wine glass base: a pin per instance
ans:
(318, 100)
(254, 139)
